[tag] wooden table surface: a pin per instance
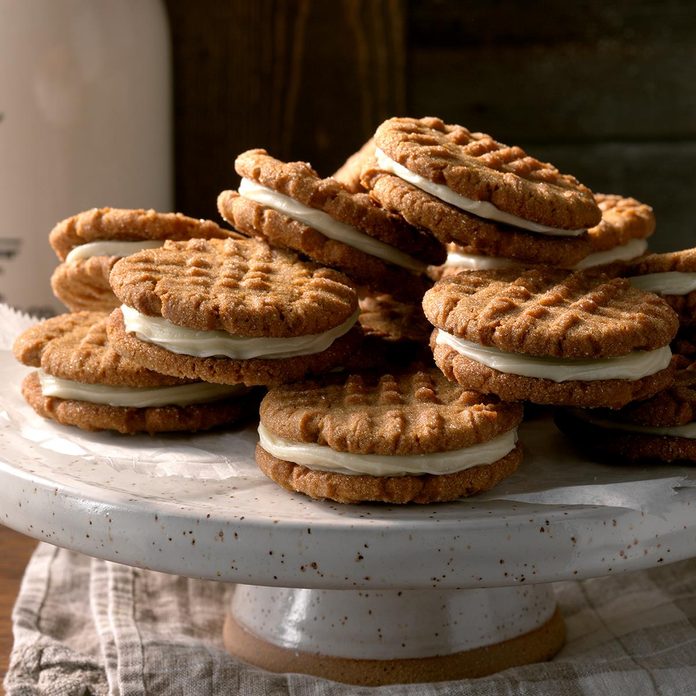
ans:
(15, 550)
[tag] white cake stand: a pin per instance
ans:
(365, 594)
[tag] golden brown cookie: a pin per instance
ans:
(662, 428)
(83, 382)
(477, 235)
(81, 282)
(672, 276)
(290, 206)
(550, 336)
(477, 167)
(619, 237)
(395, 334)
(230, 311)
(397, 438)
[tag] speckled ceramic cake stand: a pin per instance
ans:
(366, 594)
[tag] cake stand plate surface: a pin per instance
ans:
(197, 506)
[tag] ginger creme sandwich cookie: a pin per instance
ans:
(83, 382)
(621, 236)
(672, 276)
(402, 438)
(89, 244)
(659, 429)
(232, 311)
(291, 207)
(466, 188)
(549, 336)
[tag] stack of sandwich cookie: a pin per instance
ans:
(411, 437)
(551, 336)
(83, 382)
(89, 244)
(232, 311)
(620, 236)
(672, 276)
(290, 206)
(467, 188)
(662, 428)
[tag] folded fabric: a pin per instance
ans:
(87, 627)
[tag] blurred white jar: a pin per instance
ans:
(85, 121)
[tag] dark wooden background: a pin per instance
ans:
(604, 90)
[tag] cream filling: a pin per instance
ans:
(179, 395)
(328, 226)
(482, 209)
(205, 344)
(323, 458)
(633, 366)
(670, 283)
(109, 248)
(476, 262)
(623, 252)
(687, 431)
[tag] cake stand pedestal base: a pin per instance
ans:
(375, 637)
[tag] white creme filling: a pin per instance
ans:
(109, 248)
(669, 283)
(179, 395)
(328, 226)
(482, 209)
(633, 366)
(206, 344)
(323, 458)
(687, 431)
(624, 252)
(476, 262)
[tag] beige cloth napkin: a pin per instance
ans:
(84, 626)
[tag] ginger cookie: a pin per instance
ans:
(232, 311)
(662, 428)
(89, 244)
(291, 207)
(620, 236)
(672, 276)
(83, 382)
(551, 336)
(409, 437)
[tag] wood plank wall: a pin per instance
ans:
(603, 89)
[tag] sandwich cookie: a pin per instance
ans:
(291, 207)
(402, 438)
(621, 236)
(662, 428)
(467, 188)
(83, 382)
(550, 336)
(89, 244)
(232, 311)
(672, 276)
(396, 334)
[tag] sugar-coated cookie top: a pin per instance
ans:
(241, 286)
(416, 412)
(476, 166)
(544, 311)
